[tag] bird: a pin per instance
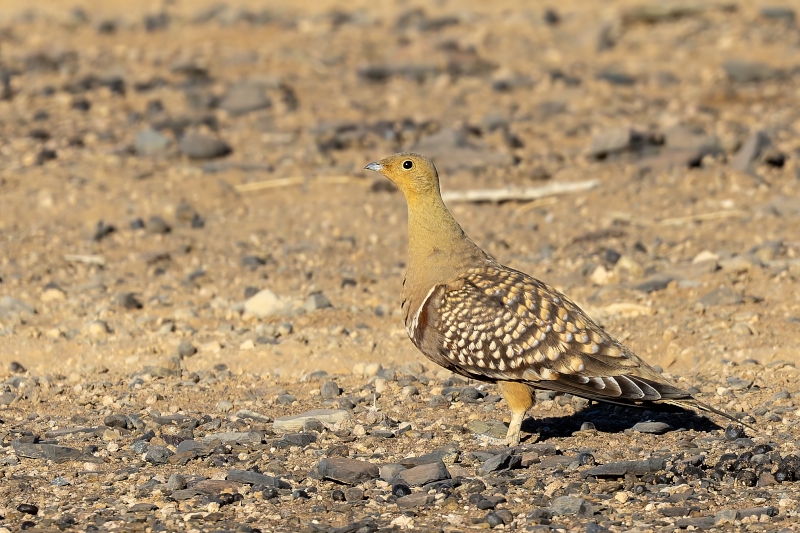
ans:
(478, 318)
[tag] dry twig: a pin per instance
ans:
(523, 194)
(88, 259)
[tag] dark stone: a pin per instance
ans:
(414, 500)
(721, 296)
(423, 474)
(50, 452)
(176, 482)
(748, 478)
(103, 230)
(252, 262)
(149, 142)
(737, 383)
(488, 502)
(184, 494)
(785, 14)
(158, 455)
(551, 17)
(612, 141)
(144, 507)
(116, 421)
(611, 256)
(312, 424)
(493, 520)
(585, 458)
(28, 508)
(741, 71)
(243, 98)
(401, 489)
(330, 390)
(140, 446)
(39, 134)
(734, 432)
(655, 428)
(700, 522)
(201, 146)
(570, 505)
(757, 511)
(620, 468)
(675, 512)
(654, 283)
(186, 349)
(500, 462)
(45, 155)
(249, 477)
(684, 146)
(157, 21)
(81, 104)
(185, 213)
(437, 400)
(300, 439)
(286, 399)
(316, 301)
(348, 471)
(615, 77)
(158, 226)
(470, 394)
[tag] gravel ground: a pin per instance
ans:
(199, 316)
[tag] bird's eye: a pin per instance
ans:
(407, 164)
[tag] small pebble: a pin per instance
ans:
(202, 146)
(493, 520)
(734, 432)
(438, 400)
(27, 508)
(330, 390)
(186, 349)
(401, 489)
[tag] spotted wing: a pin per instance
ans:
(501, 324)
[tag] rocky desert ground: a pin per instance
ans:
(199, 283)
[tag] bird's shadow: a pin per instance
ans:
(609, 418)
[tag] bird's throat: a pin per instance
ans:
(435, 238)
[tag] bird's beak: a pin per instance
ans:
(374, 166)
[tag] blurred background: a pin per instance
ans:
(186, 177)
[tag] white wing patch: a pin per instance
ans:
(411, 329)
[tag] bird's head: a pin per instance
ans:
(413, 174)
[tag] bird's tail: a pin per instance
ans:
(705, 407)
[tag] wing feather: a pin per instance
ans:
(495, 323)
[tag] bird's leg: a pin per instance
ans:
(519, 397)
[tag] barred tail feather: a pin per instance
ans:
(693, 402)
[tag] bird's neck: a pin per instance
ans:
(438, 247)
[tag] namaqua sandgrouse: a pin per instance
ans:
(478, 318)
